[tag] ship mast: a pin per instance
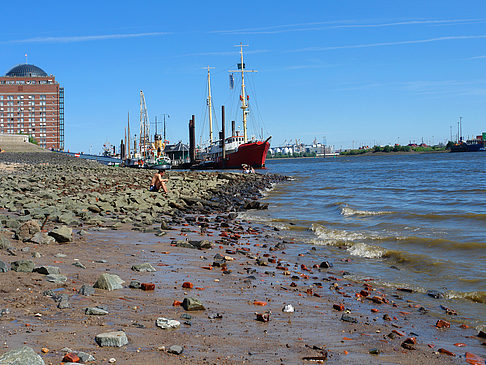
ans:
(210, 107)
(244, 104)
(144, 126)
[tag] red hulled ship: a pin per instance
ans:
(236, 150)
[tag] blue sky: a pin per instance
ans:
(352, 72)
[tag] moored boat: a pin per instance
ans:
(236, 150)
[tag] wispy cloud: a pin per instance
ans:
(476, 58)
(225, 53)
(388, 44)
(432, 88)
(85, 38)
(317, 26)
(281, 28)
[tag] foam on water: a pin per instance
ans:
(475, 296)
(347, 211)
(363, 250)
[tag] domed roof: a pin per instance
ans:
(26, 70)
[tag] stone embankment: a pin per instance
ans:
(74, 192)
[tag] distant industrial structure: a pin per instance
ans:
(32, 103)
(300, 149)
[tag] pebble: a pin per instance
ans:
(288, 309)
(175, 349)
(166, 323)
(112, 339)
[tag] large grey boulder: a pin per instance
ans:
(192, 304)
(109, 282)
(42, 238)
(145, 267)
(62, 234)
(22, 266)
(21, 356)
(112, 339)
(27, 230)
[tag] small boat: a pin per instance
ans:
(238, 148)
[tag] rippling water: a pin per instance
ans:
(416, 221)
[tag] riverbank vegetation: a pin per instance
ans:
(395, 148)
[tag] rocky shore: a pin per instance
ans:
(96, 269)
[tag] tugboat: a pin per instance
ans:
(239, 150)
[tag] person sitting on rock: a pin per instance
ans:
(158, 182)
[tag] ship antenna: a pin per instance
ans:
(244, 104)
(210, 107)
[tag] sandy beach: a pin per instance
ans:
(200, 248)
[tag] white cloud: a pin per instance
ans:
(387, 44)
(316, 26)
(85, 38)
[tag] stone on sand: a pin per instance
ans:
(112, 339)
(109, 282)
(62, 234)
(166, 323)
(192, 304)
(27, 230)
(21, 356)
(145, 267)
(22, 266)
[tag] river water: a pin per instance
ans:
(414, 221)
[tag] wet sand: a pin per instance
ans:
(237, 337)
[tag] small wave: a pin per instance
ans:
(329, 188)
(335, 236)
(347, 211)
(364, 250)
(475, 296)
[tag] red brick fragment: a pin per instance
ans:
(187, 285)
(474, 359)
(399, 333)
(147, 286)
(71, 357)
(338, 307)
(442, 324)
(446, 352)
(376, 299)
(176, 303)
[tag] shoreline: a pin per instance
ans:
(260, 268)
(363, 154)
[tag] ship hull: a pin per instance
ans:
(468, 147)
(252, 154)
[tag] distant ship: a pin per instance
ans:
(471, 145)
(238, 150)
